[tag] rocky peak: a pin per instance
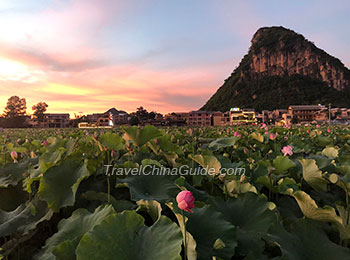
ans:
(277, 51)
(283, 68)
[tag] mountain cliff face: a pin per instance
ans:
(283, 68)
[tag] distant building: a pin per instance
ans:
(176, 119)
(93, 117)
(287, 119)
(199, 118)
(217, 119)
(120, 118)
(242, 116)
(278, 113)
(304, 113)
(51, 120)
(103, 119)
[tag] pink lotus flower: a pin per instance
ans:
(44, 143)
(317, 126)
(308, 131)
(328, 130)
(272, 136)
(237, 134)
(287, 150)
(14, 155)
(185, 201)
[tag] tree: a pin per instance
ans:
(134, 120)
(141, 113)
(16, 107)
(39, 110)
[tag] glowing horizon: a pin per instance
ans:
(167, 56)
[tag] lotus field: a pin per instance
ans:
(248, 192)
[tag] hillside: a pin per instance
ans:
(283, 68)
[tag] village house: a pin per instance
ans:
(57, 120)
(304, 113)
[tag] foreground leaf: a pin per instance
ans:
(312, 175)
(60, 183)
(124, 236)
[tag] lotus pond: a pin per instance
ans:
(291, 202)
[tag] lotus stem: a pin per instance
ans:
(185, 234)
(108, 190)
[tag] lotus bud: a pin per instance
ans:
(32, 154)
(185, 201)
(14, 155)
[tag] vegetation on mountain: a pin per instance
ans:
(283, 68)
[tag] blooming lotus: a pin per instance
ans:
(44, 143)
(272, 136)
(237, 134)
(185, 201)
(287, 150)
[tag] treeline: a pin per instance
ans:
(15, 113)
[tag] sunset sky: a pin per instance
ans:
(166, 55)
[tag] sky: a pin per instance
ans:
(86, 56)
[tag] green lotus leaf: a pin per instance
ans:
(235, 187)
(286, 183)
(70, 231)
(258, 137)
(321, 161)
(312, 175)
(207, 226)
(223, 142)
(59, 184)
(191, 243)
(330, 152)
(151, 187)
(306, 241)
(209, 162)
(102, 197)
(323, 141)
(124, 236)
(153, 208)
(151, 162)
(13, 173)
(282, 164)
(251, 216)
(53, 154)
(112, 141)
(140, 136)
(310, 209)
(164, 144)
(24, 218)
